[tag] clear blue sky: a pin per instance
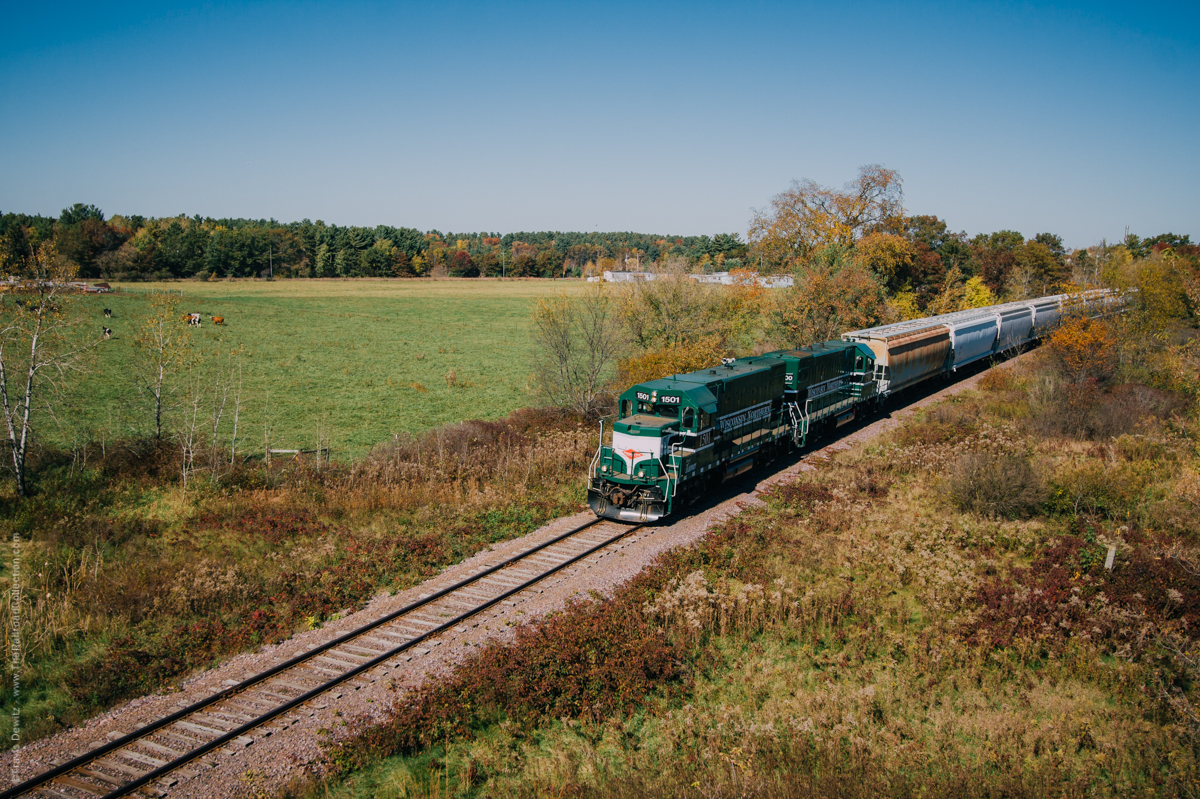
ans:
(673, 118)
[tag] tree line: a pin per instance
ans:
(131, 248)
(914, 257)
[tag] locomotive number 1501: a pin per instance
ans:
(643, 397)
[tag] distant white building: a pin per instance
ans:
(717, 278)
(626, 277)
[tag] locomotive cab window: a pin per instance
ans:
(689, 418)
(858, 364)
(626, 408)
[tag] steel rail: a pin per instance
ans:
(42, 779)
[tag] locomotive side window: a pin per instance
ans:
(626, 408)
(858, 364)
(689, 418)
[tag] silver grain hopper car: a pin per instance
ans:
(908, 352)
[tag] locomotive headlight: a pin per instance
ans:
(641, 473)
(604, 468)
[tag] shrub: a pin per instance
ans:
(995, 485)
(1121, 410)
(1140, 448)
(947, 423)
(677, 358)
(1086, 411)
(1111, 490)
(1084, 350)
(1067, 593)
(997, 380)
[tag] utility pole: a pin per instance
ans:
(271, 261)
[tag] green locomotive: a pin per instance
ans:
(677, 437)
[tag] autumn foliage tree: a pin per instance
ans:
(808, 216)
(461, 265)
(830, 295)
(676, 358)
(1085, 350)
(893, 258)
(959, 294)
(679, 325)
(671, 309)
(1162, 298)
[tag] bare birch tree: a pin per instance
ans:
(165, 344)
(189, 423)
(224, 380)
(41, 343)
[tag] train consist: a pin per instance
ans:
(678, 437)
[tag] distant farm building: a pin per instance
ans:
(718, 278)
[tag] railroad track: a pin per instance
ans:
(143, 761)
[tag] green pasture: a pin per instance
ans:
(357, 360)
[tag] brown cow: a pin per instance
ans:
(217, 320)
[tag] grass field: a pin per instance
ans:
(357, 359)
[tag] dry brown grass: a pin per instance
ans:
(473, 462)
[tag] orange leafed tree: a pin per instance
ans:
(831, 295)
(1084, 349)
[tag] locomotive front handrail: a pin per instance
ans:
(599, 449)
(674, 459)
